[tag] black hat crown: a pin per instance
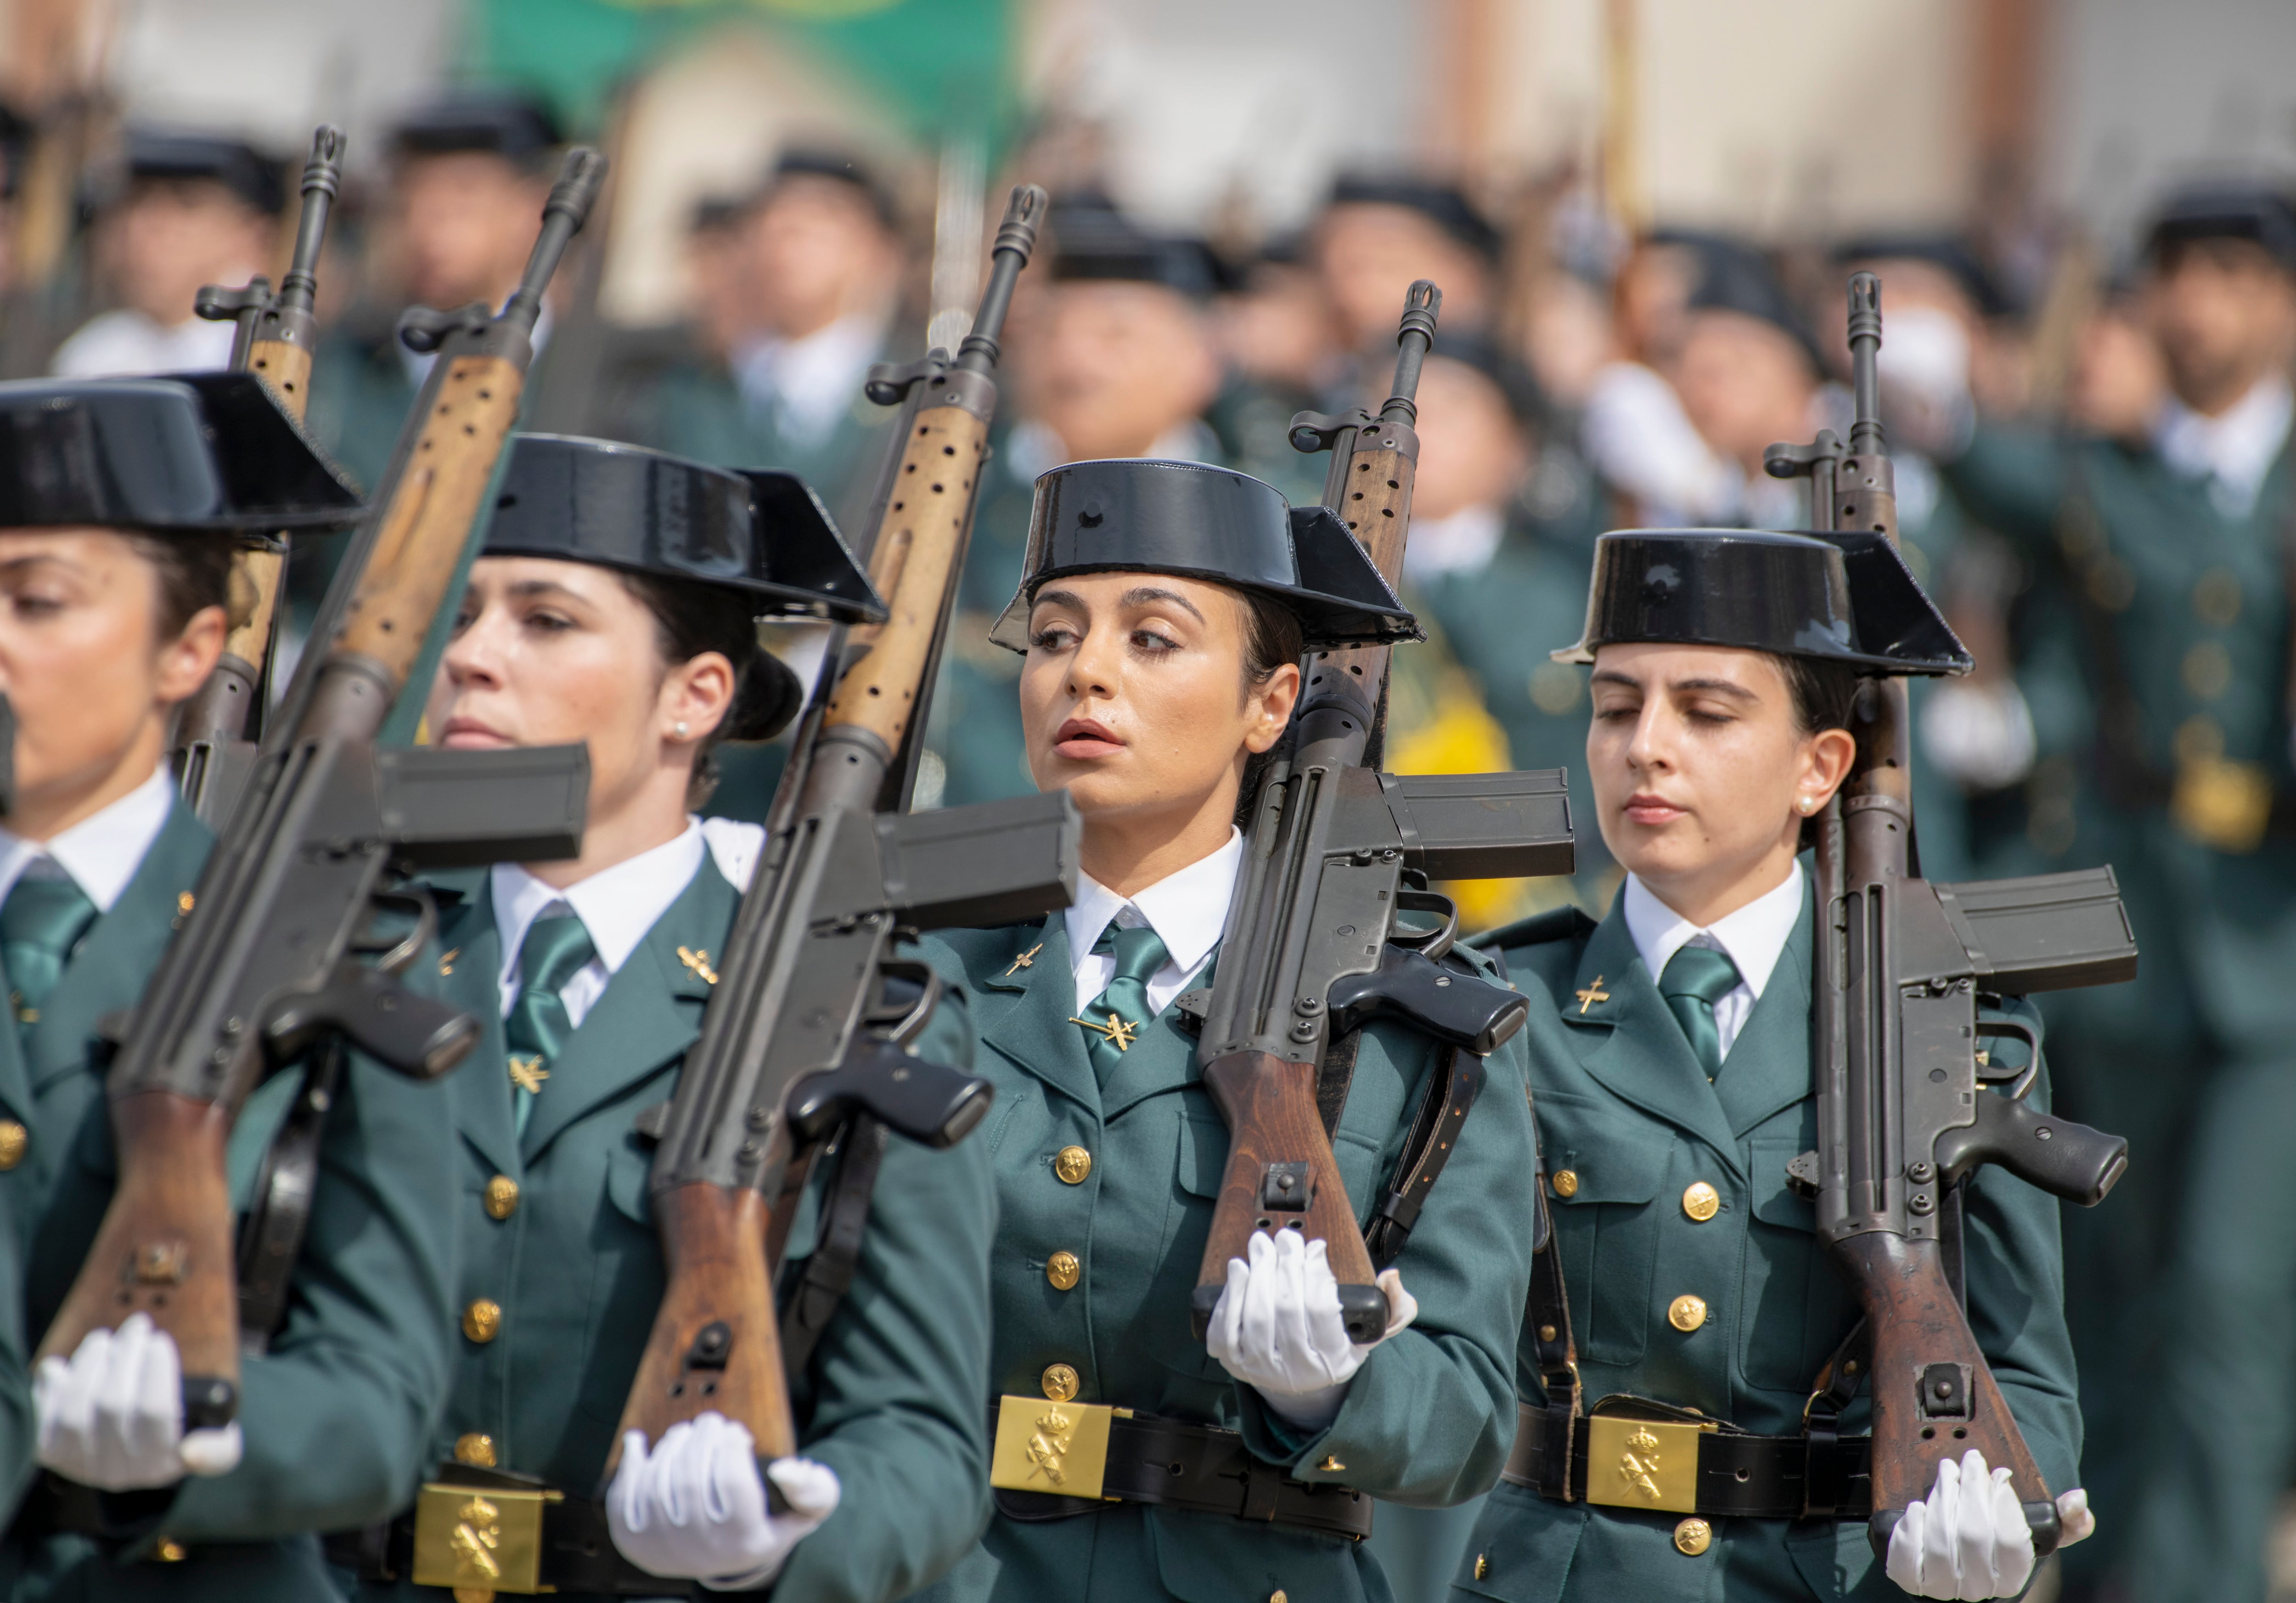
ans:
(1845, 597)
(760, 531)
(1198, 521)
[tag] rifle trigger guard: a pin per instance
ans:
(395, 959)
(1434, 944)
(1998, 1029)
(902, 1028)
(1314, 432)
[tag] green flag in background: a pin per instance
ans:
(940, 67)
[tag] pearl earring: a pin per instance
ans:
(679, 728)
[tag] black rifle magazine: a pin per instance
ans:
(1514, 825)
(2046, 932)
(463, 810)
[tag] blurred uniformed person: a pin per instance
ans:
(187, 211)
(468, 175)
(2172, 549)
(1163, 622)
(616, 603)
(1670, 1072)
(121, 502)
(1378, 232)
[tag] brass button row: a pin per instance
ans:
(1063, 1270)
(1566, 1182)
(482, 1320)
(1073, 1164)
(13, 1138)
(502, 1196)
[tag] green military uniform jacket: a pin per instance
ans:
(1626, 1112)
(1430, 1417)
(334, 1412)
(2187, 606)
(555, 1229)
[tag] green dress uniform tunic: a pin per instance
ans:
(2182, 636)
(1124, 1174)
(1733, 1315)
(334, 1414)
(560, 1271)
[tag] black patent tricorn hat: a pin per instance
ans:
(183, 453)
(1844, 597)
(1214, 523)
(760, 532)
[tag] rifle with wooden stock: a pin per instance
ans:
(265, 968)
(276, 337)
(1319, 941)
(808, 1020)
(1909, 1102)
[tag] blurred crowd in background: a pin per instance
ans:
(2089, 430)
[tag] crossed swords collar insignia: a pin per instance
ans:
(1118, 1032)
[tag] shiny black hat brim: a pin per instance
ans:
(1839, 597)
(180, 453)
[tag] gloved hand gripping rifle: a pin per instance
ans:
(264, 969)
(1337, 854)
(1906, 1106)
(810, 1014)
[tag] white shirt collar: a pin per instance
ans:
(809, 381)
(101, 852)
(1463, 542)
(1187, 910)
(2235, 448)
(1754, 937)
(617, 905)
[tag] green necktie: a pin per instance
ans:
(1697, 977)
(40, 923)
(1118, 1015)
(557, 947)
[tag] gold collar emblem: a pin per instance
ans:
(699, 962)
(528, 1073)
(1116, 1032)
(1590, 996)
(1025, 960)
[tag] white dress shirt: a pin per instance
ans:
(806, 384)
(1462, 542)
(101, 853)
(1754, 937)
(127, 344)
(1187, 910)
(2235, 450)
(617, 906)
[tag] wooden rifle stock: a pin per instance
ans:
(810, 941)
(262, 967)
(1281, 1172)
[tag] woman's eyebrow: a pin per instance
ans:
(1143, 595)
(1717, 686)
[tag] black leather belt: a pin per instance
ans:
(1199, 1468)
(1682, 1465)
(578, 1553)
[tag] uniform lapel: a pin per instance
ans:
(650, 1013)
(1032, 1028)
(1768, 1067)
(115, 961)
(466, 973)
(1628, 1041)
(1163, 1059)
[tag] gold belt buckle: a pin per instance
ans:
(479, 1541)
(1059, 1448)
(1642, 1463)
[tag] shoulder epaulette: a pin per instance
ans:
(1566, 923)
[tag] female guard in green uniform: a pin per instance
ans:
(1162, 613)
(615, 603)
(119, 504)
(1671, 1063)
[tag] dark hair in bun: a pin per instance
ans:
(691, 618)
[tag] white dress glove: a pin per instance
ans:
(695, 1508)
(111, 1416)
(1277, 1327)
(1968, 1538)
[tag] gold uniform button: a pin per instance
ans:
(1332, 1465)
(1693, 1536)
(1687, 1312)
(1279, 1596)
(170, 1551)
(1063, 1270)
(475, 1450)
(13, 1138)
(482, 1319)
(1072, 1164)
(1482, 1567)
(1060, 1382)
(502, 1196)
(1566, 1182)
(1701, 1202)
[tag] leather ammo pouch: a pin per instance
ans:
(1055, 1460)
(482, 1531)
